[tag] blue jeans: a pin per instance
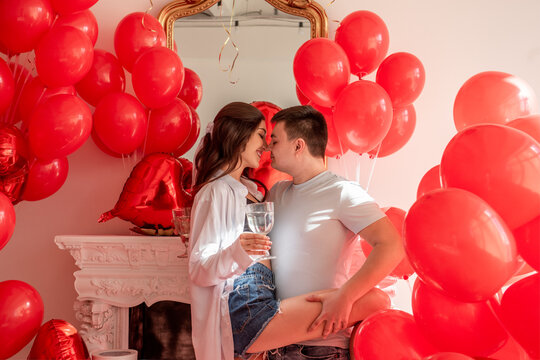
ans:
(304, 352)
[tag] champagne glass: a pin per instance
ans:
(260, 217)
(181, 219)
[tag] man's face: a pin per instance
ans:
(282, 150)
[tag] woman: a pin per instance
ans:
(236, 315)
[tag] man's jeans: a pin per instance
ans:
(304, 352)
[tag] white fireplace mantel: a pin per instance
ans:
(119, 272)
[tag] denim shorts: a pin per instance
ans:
(304, 352)
(252, 304)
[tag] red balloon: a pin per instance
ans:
(401, 130)
(520, 311)
(157, 184)
(58, 339)
(429, 182)
(387, 335)
(64, 56)
(168, 127)
(158, 75)
(105, 76)
(7, 86)
(321, 70)
(102, 146)
(528, 242)
(34, 93)
(21, 312)
(193, 134)
(334, 146)
(448, 356)
(361, 128)
(457, 243)
(493, 97)
(452, 325)
(24, 22)
(59, 126)
(301, 97)
(402, 75)
(14, 155)
(364, 37)
(499, 164)
(510, 351)
(133, 36)
(529, 124)
(7, 225)
(191, 91)
(120, 122)
(82, 20)
(70, 6)
(45, 178)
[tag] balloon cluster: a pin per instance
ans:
(474, 226)
(363, 116)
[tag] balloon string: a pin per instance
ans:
(373, 167)
(146, 135)
(17, 100)
(144, 16)
(229, 68)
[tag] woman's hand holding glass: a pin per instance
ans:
(255, 244)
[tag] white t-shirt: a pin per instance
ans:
(312, 237)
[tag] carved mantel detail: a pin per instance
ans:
(119, 272)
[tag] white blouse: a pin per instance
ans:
(215, 259)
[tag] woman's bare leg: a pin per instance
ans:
(290, 324)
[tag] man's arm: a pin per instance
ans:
(386, 254)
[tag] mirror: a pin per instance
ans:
(254, 63)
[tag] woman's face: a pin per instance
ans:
(255, 147)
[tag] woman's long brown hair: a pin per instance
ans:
(233, 126)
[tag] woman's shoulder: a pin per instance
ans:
(219, 187)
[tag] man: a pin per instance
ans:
(317, 216)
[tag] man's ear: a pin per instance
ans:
(299, 145)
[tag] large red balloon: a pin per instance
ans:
(7, 222)
(168, 127)
(82, 20)
(321, 70)
(363, 127)
(191, 92)
(70, 6)
(64, 56)
(493, 97)
(134, 34)
(430, 181)
(45, 178)
(334, 146)
(193, 134)
(301, 97)
(401, 130)
(520, 311)
(158, 75)
(529, 124)
(457, 243)
(21, 312)
(7, 86)
(364, 37)
(156, 185)
(59, 126)
(24, 22)
(402, 75)
(105, 76)
(528, 242)
(120, 122)
(58, 339)
(452, 325)
(389, 335)
(499, 164)
(102, 146)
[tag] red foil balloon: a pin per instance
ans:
(193, 134)
(82, 20)
(191, 92)
(458, 244)
(21, 313)
(58, 339)
(493, 97)
(499, 164)
(157, 184)
(7, 221)
(430, 181)
(14, 155)
(401, 130)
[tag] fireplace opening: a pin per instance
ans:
(161, 331)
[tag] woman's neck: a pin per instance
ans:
(237, 173)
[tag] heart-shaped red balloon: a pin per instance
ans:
(156, 185)
(58, 339)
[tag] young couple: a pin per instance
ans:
(237, 308)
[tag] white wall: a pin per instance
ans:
(454, 40)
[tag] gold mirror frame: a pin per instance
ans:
(308, 9)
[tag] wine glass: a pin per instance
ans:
(260, 217)
(181, 218)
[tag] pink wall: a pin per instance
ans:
(454, 40)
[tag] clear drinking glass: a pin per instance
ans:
(260, 217)
(181, 219)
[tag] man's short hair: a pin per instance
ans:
(306, 123)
